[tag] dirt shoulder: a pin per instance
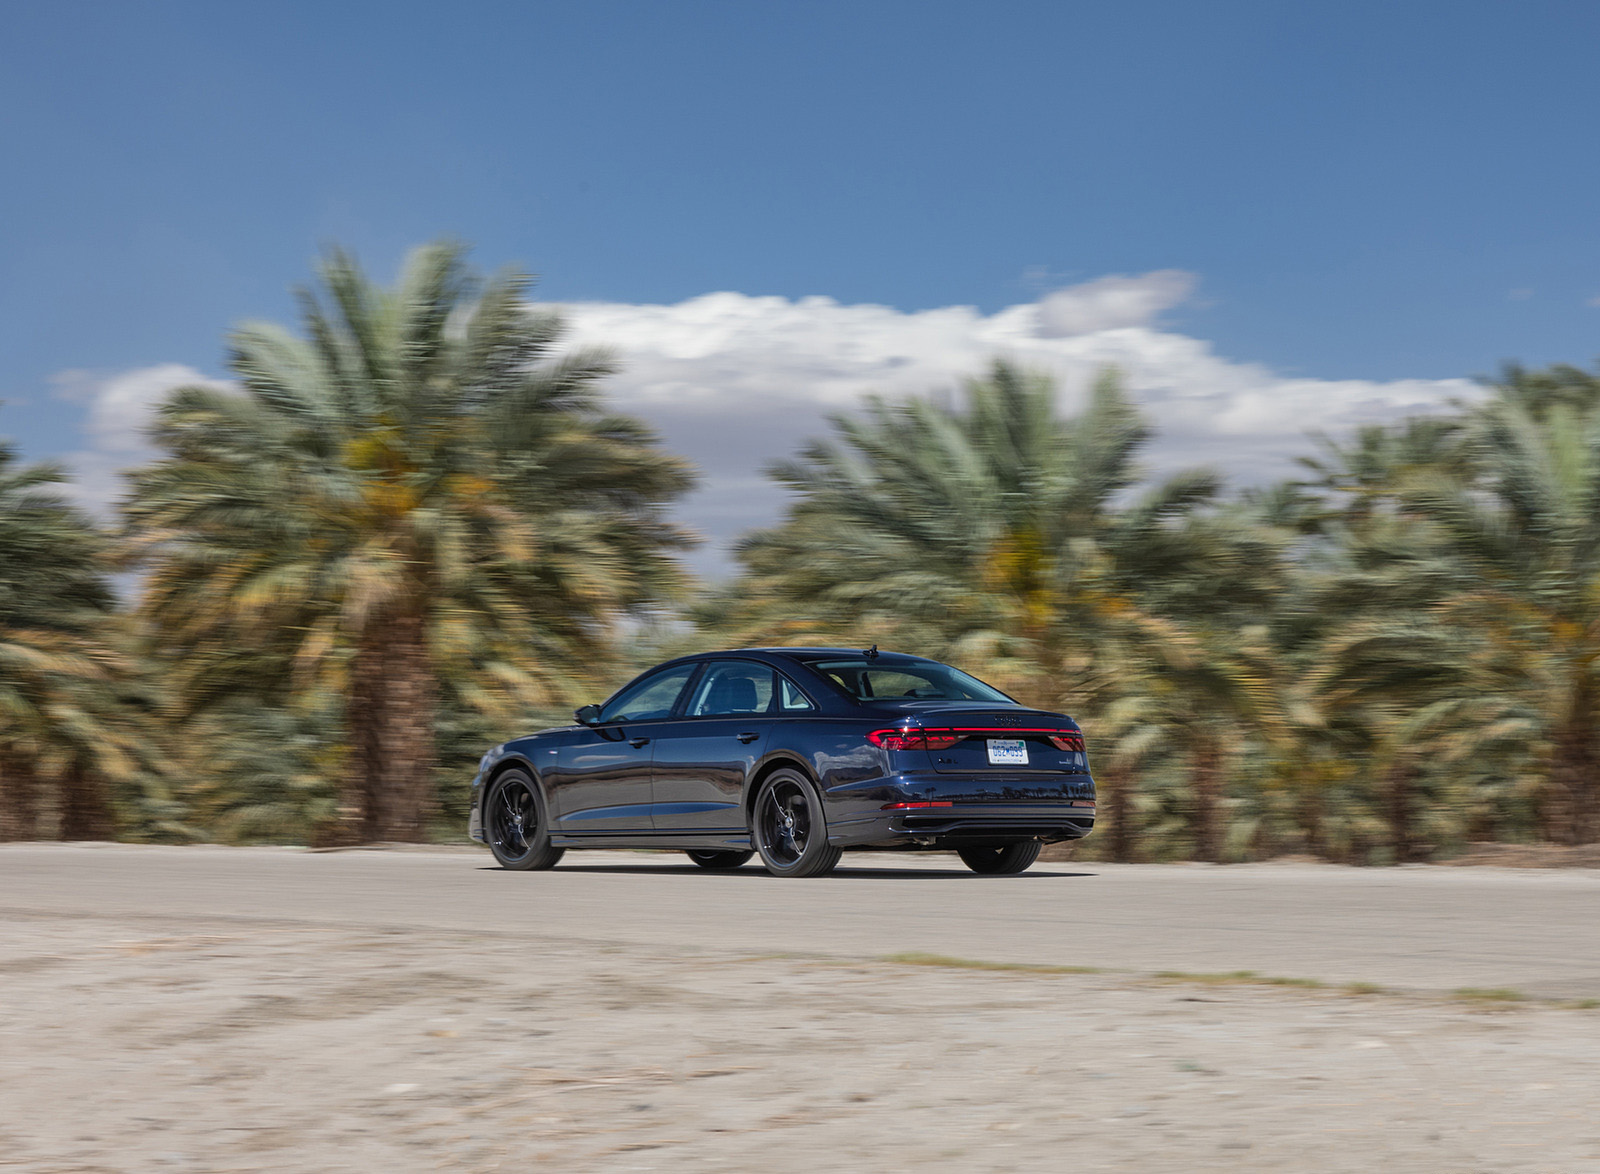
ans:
(1528, 856)
(190, 1045)
(271, 1010)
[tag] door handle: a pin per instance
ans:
(747, 737)
(638, 742)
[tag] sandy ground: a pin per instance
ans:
(140, 1038)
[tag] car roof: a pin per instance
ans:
(809, 652)
(797, 655)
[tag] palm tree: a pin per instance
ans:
(1460, 626)
(1417, 702)
(1385, 679)
(71, 726)
(415, 488)
(1526, 531)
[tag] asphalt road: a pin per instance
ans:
(1414, 928)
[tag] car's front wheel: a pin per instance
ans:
(718, 861)
(515, 825)
(1006, 861)
(789, 828)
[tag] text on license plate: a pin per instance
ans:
(1008, 752)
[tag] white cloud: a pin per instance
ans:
(120, 407)
(735, 381)
(1109, 303)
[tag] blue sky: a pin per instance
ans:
(1358, 191)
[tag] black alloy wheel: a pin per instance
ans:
(1006, 861)
(718, 861)
(515, 825)
(789, 829)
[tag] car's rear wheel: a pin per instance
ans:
(718, 861)
(789, 829)
(1006, 861)
(515, 825)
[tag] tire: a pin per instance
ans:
(1007, 861)
(718, 861)
(789, 829)
(514, 823)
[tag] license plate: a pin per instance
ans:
(1008, 752)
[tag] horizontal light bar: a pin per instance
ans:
(944, 737)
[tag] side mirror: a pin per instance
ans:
(588, 715)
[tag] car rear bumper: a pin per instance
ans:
(962, 825)
(949, 810)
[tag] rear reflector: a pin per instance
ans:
(910, 806)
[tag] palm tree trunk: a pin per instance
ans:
(389, 715)
(1571, 810)
(1311, 821)
(19, 800)
(1397, 801)
(355, 821)
(367, 719)
(403, 797)
(85, 806)
(1205, 774)
(1115, 786)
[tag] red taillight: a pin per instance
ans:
(914, 739)
(942, 739)
(910, 806)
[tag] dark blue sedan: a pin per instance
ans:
(796, 754)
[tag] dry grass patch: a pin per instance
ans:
(1363, 988)
(918, 959)
(1245, 977)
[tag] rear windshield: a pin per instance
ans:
(869, 680)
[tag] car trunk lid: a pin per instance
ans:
(967, 740)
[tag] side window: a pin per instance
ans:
(790, 699)
(731, 687)
(650, 699)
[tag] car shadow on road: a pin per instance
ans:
(751, 872)
(924, 873)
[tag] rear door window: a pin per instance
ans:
(732, 687)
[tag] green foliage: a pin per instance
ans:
(1378, 663)
(261, 773)
(79, 754)
(414, 530)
